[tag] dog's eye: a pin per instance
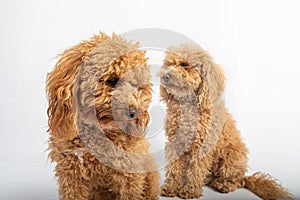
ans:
(184, 64)
(112, 82)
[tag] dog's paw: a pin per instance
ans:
(167, 191)
(224, 186)
(190, 192)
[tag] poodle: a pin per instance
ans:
(204, 147)
(99, 93)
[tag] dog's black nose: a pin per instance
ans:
(166, 78)
(132, 113)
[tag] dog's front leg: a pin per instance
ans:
(173, 181)
(152, 185)
(196, 171)
(127, 186)
(73, 183)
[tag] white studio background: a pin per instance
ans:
(257, 42)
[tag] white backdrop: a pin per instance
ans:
(257, 42)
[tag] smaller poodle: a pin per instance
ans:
(204, 147)
(99, 93)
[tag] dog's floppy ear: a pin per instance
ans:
(213, 83)
(59, 87)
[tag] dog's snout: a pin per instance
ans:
(166, 78)
(132, 113)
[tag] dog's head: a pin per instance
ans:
(105, 80)
(188, 72)
(114, 87)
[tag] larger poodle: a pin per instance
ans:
(99, 93)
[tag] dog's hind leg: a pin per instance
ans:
(230, 173)
(230, 160)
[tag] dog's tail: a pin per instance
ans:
(266, 187)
